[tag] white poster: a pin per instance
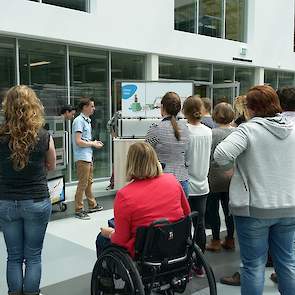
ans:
(143, 99)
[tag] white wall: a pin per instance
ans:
(148, 26)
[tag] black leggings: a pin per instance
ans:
(213, 214)
(198, 203)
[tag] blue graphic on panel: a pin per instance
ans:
(128, 90)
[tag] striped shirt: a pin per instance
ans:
(171, 152)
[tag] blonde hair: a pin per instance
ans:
(193, 108)
(240, 108)
(23, 118)
(142, 162)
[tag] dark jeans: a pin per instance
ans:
(24, 224)
(185, 187)
(213, 214)
(198, 203)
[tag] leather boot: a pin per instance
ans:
(228, 244)
(214, 245)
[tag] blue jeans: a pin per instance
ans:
(185, 187)
(24, 224)
(256, 236)
(101, 243)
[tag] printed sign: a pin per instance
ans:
(56, 187)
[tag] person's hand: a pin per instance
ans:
(107, 231)
(97, 144)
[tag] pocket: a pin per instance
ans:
(40, 210)
(4, 210)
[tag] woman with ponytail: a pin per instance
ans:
(170, 139)
(198, 160)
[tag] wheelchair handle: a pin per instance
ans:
(193, 215)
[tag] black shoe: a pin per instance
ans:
(95, 209)
(234, 280)
(82, 215)
(274, 277)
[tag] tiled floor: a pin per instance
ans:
(69, 255)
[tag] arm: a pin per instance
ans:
(230, 148)
(184, 203)
(122, 233)
(152, 137)
(50, 157)
(83, 143)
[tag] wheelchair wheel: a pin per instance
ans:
(198, 255)
(115, 273)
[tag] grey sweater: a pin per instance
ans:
(263, 183)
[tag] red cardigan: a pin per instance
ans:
(143, 201)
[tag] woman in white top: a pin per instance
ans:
(198, 160)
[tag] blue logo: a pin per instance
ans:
(128, 90)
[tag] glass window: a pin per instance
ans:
(235, 20)
(43, 67)
(73, 4)
(7, 65)
(245, 76)
(285, 79)
(211, 18)
(89, 78)
(223, 74)
(185, 15)
(179, 69)
(125, 67)
(270, 78)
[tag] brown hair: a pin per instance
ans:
(172, 104)
(193, 108)
(24, 116)
(240, 108)
(84, 101)
(223, 113)
(207, 104)
(287, 98)
(142, 162)
(263, 101)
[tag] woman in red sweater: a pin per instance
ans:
(149, 196)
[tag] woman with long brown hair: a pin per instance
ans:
(26, 153)
(170, 139)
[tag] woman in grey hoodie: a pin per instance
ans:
(262, 190)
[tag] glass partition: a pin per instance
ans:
(43, 67)
(185, 17)
(72, 4)
(271, 78)
(179, 69)
(89, 78)
(246, 77)
(285, 79)
(235, 20)
(211, 18)
(223, 74)
(7, 65)
(125, 67)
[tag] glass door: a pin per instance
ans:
(225, 92)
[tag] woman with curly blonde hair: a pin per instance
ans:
(26, 153)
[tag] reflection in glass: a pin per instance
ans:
(7, 65)
(211, 18)
(89, 78)
(42, 67)
(285, 79)
(245, 76)
(223, 74)
(235, 20)
(270, 78)
(185, 15)
(73, 4)
(184, 69)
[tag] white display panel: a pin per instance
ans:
(143, 99)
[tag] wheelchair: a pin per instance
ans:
(164, 257)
